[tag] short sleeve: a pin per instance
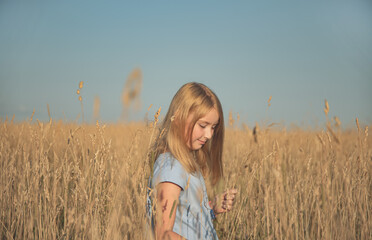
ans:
(169, 169)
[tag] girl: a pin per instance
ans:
(188, 150)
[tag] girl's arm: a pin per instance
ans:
(167, 201)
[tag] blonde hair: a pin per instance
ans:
(198, 100)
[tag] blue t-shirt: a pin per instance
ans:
(193, 214)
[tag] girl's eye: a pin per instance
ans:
(202, 126)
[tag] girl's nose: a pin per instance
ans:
(209, 133)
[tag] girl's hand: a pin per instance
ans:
(224, 202)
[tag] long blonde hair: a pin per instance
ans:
(198, 100)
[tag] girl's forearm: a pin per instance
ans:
(171, 235)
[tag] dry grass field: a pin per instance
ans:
(69, 181)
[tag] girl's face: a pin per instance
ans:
(203, 129)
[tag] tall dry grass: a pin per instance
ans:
(68, 181)
(130, 96)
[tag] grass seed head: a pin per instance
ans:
(231, 119)
(326, 107)
(268, 101)
(337, 121)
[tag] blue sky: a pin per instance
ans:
(298, 52)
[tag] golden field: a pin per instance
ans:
(69, 181)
